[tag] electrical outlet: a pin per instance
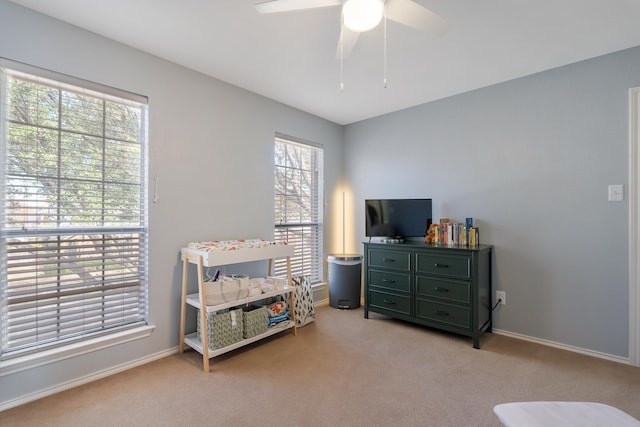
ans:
(501, 295)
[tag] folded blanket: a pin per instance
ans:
(278, 319)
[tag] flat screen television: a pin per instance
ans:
(397, 218)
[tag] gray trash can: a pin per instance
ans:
(345, 278)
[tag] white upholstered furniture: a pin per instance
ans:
(562, 414)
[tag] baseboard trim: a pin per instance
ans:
(85, 379)
(593, 353)
(321, 303)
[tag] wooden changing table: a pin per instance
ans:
(218, 253)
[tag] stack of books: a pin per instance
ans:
(455, 234)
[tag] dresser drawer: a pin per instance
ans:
(444, 313)
(447, 289)
(394, 281)
(445, 265)
(390, 302)
(390, 259)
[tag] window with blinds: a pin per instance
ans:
(298, 205)
(73, 211)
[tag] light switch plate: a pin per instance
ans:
(615, 193)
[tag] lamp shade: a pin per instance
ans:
(362, 15)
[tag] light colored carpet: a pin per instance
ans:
(342, 370)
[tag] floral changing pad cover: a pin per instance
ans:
(232, 245)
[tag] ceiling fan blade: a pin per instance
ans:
(275, 6)
(349, 39)
(415, 16)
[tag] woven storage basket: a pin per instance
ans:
(255, 321)
(222, 329)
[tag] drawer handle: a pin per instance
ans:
(388, 260)
(384, 280)
(442, 313)
(439, 289)
(388, 301)
(436, 265)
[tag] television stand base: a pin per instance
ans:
(396, 240)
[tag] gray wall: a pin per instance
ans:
(211, 149)
(530, 160)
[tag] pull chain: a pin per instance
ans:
(341, 56)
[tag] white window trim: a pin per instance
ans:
(30, 361)
(84, 346)
(634, 226)
(320, 193)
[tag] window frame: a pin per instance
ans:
(38, 355)
(307, 235)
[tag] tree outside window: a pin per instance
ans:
(298, 205)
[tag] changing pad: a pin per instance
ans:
(232, 245)
(222, 252)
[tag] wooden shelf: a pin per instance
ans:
(194, 300)
(193, 341)
(203, 258)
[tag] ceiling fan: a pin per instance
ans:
(363, 15)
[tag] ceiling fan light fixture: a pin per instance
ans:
(362, 15)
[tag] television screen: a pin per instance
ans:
(397, 217)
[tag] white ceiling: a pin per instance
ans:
(290, 57)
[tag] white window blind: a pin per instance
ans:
(298, 205)
(73, 211)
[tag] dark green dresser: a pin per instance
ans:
(443, 287)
